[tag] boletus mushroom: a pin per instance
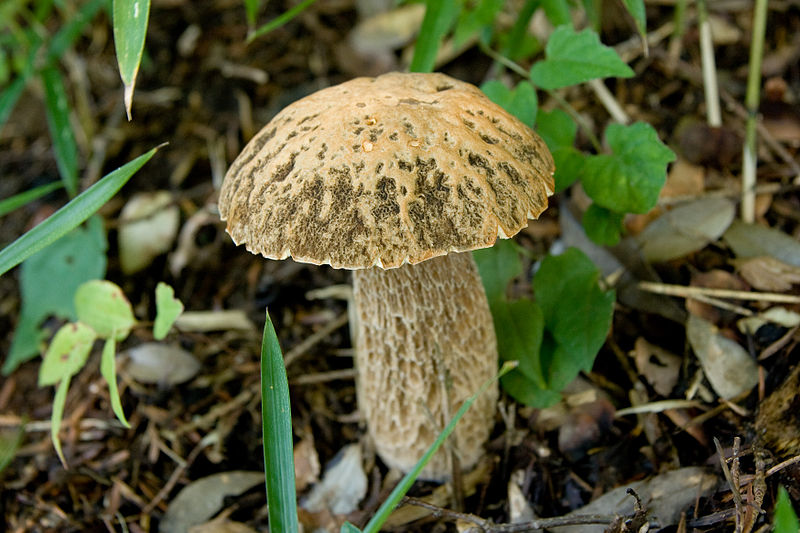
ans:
(396, 177)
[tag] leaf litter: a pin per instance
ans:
(209, 423)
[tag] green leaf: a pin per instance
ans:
(280, 20)
(277, 433)
(72, 29)
(526, 392)
(251, 11)
(557, 12)
(130, 29)
(573, 58)
(347, 527)
(602, 226)
(108, 368)
(59, 401)
(24, 198)
(71, 215)
(478, 18)
(9, 96)
(102, 305)
(559, 131)
(629, 180)
(785, 518)
(168, 308)
(439, 17)
(497, 266)
(519, 326)
(57, 111)
(637, 11)
(67, 353)
(48, 281)
(10, 441)
(520, 102)
(577, 315)
(386, 508)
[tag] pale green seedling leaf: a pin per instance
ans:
(602, 225)
(57, 111)
(520, 101)
(630, 179)
(108, 368)
(48, 281)
(400, 490)
(24, 198)
(10, 441)
(347, 527)
(103, 306)
(497, 266)
(59, 401)
(276, 425)
(786, 520)
(67, 353)
(577, 315)
(439, 17)
(168, 308)
(130, 28)
(71, 215)
(575, 57)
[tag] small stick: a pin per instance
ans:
(300, 350)
(709, 67)
(692, 292)
(609, 101)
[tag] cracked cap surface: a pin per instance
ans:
(385, 171)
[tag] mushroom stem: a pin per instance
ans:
(425, 342)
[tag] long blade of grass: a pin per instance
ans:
(130, 29)
(64, 145)
(276, 424)
(9, 97)
(18, 200)
(439, 17)
(374, 525)
(72, 29)
(71, 215)
(280, 20)
(251, 10)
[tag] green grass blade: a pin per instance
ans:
(64, 145)
(24, 198)
(374, 525)
(279, 21)
(73, 28)
(251, 10)
(9, 97)
(130, 29)
(439, 17)
(59, 401)
(277, 429)
(71, 215)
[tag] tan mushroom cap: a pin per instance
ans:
(385, 171)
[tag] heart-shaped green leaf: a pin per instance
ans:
(520, 102)
(103, 306)
(168, 308)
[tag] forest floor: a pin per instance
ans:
(204, 91)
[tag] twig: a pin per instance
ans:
(692, 292)
(487, 526)
(300, 350)
(609, 102)
(749, 155)
(323, 377)
(709, 67)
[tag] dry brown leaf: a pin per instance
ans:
(767, 273)
(658, 366)
(306, 464)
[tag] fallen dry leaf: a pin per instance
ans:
(767, 273)
(658, 366)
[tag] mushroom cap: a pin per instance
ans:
(385, 171)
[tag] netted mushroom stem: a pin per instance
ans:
(425, 343)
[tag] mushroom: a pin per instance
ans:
(393, 177)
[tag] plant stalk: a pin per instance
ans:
(749, 156)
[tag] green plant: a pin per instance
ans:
(103, 312)
(785, 519)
